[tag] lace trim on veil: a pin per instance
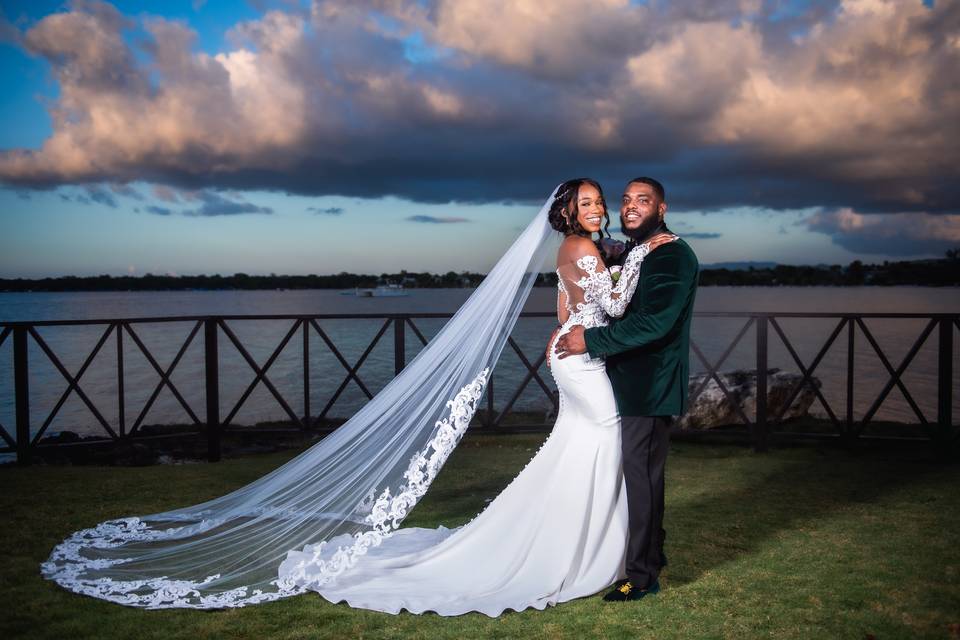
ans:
(387, 511)
(67, 563)
(383, 514)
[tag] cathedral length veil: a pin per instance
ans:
(343, 495)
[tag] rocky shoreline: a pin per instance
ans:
(710, 410)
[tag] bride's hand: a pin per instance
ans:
(659, 239)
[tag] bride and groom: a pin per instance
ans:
(584, 514)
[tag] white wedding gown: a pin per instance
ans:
(557, 532)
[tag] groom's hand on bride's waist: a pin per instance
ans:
(571, 343)
(553, 336)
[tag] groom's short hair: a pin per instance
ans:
(657, 187)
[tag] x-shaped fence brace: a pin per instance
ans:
(712, 373)
(808, 373)
(73, 382)
(164, 375)
(261, 372)
(351, 370)
(895, 375)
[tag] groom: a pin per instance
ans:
(647, 360)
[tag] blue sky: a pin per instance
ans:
(220, 137)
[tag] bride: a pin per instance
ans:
(329, 520)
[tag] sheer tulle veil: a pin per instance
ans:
(342, 496)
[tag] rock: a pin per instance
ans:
(712, 409)
(134, 454)
(61, 437)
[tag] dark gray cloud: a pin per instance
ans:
(701, 235)
(158, 211)
(213, 204)
(99, 195)
(127, 191)
(327, 211)
(437, 219)
(165, 193)
(832, 103)
(894, 234)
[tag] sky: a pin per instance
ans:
(369, 136)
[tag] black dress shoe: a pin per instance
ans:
(627, 591)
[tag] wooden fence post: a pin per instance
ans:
(21, 392)
(945, 382)
(399, 346)
(760, 423)
(212, 372)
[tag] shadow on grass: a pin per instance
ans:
(752, 498)
(722, 524)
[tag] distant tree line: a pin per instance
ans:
(933, 273)
(243, 281)
(942, 272)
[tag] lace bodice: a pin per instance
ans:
(588, 294)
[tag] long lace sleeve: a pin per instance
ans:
(563, 302)
(599, 286)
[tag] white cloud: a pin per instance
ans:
(858, 107)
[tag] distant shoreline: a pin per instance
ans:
(539, 286)
(931, 273)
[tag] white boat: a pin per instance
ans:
(380, 291)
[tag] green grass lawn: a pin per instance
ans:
(794, 543)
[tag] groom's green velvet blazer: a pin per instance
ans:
(647, 350)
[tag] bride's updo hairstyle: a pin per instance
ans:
(563, 211)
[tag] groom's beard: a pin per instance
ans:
(646, 229)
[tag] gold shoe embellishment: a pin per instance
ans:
(626, 588)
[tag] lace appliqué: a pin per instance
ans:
(595, 285)
(67, 564)
(563, 295)
(386, 512)
(600, 293)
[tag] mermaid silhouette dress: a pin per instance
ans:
(557, 532)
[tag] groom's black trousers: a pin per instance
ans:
(644, 440)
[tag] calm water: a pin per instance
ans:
(73, 344)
